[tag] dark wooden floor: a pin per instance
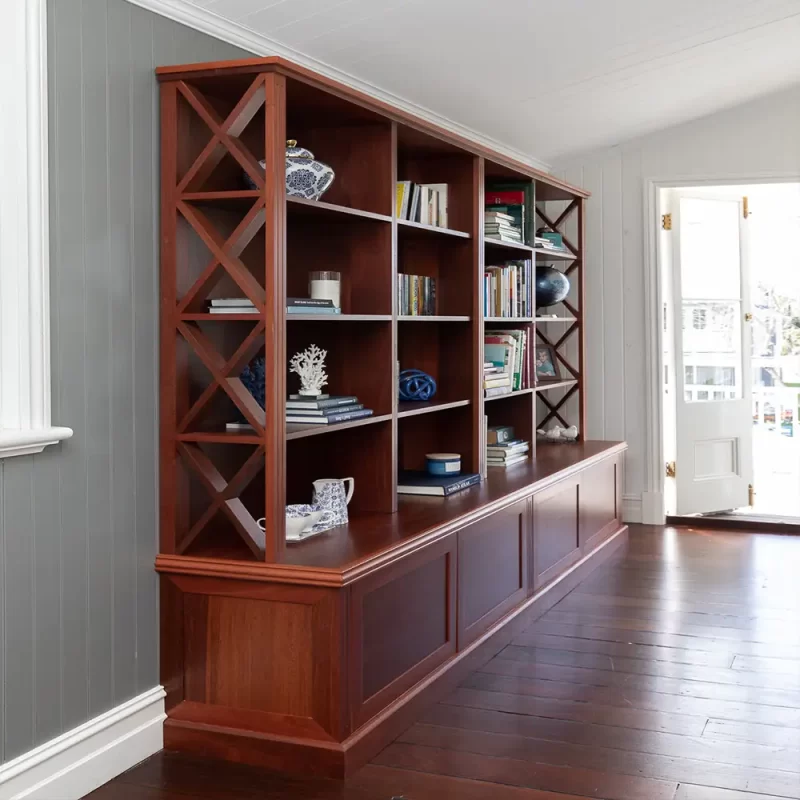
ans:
(672, 673)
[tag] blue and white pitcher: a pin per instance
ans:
(330, 495)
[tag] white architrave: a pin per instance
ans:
(25, 425)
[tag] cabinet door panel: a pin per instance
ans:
(402, 626)
(600, 512)
(492, 570)
(556, 542)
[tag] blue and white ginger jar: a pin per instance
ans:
(305, 176)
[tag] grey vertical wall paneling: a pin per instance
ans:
(69, 356)
(123, 444)
(19, 603)
(78, 523)
(99, 271)
(145, 322)
(3, 570)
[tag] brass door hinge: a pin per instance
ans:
(671, 469)
(751, 495)
(745, 207)
(748, 317)
(666, 222)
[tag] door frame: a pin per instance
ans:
(653, 497)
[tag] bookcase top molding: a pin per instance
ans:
(549, 187)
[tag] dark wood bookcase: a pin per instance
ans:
(275, 640)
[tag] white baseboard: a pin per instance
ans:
(653, 508)
(76, 763)
(631, 508)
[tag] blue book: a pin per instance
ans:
(419, 482)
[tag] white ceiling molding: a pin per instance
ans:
(207, 22)
(25, 425)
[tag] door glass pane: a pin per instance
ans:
(710, 266)
(712, 352)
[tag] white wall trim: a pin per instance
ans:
(25, 425)
(78, 762)
(631, 508)
(207, 22)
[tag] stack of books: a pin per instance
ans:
(416, 296)
(308, 305)
(324, 410)
(419, 482)
(496, 380)
(504, 215)
(506, 454)
(507, 352)
(542, 243)
(231, 305)
(425, 203)
(508, 290)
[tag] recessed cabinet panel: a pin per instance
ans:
(403, 626)
(599, 503)
(492, 570)
(556, 543)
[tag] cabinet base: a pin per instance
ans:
(338, 760)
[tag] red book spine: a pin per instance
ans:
(503, 198)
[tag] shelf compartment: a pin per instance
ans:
(359, 359)
(300, 206)
(438, 318)
(298, 431)
(409, 408)
(448, 431)
(361, 450)
(418, 227)
(508, 395)
(517, 410)
(360, 250)
(543, 386)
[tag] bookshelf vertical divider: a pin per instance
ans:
(278, 654)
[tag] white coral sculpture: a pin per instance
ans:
(310, 366)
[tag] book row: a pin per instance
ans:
(416, 296)
(506, 363)
(425, 203)
(509, 291)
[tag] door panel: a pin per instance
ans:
(713, 403)
(556, 530)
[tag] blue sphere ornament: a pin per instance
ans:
(552, 286)
(254, 378)
(416, 385)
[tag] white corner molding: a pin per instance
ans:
(25, 425)
(200, 19)
(77, 763)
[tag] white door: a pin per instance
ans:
(714, 463)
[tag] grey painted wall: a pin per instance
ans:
(78, 600)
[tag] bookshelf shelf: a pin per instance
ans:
(432, 230)
(541, 320)
(206, 317)
(413, 409)
(220, 437)
(508, 395)
(338, 318)
(297, 431)
(554, 255)
(422, 318)
(330, 211)
(505, 320)
(544, 386)
(512, 249)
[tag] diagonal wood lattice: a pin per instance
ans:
(225, 497)
(554, 408)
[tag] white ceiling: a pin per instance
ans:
(545, 77)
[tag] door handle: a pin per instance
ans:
(748, 317)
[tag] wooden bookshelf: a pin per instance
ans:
(276, 654)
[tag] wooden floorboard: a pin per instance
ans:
(670, 673)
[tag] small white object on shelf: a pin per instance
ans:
(559, 434)
(310, 366)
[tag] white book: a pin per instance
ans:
(230, 301)
(233, 310)
(441, 189)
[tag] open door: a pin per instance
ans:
(714, 426)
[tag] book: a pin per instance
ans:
(504, 454)
(297, 401)
(324, 412)
(313, 310)
(238, 426)
(413, 213)
(494, 382)
(441, 197)
(403, 197)
(309, 302)
(508, 463)
(331, 419)
(221, 302)
(233, 310)
(496, 391)
(511, 443)
(419, 482)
